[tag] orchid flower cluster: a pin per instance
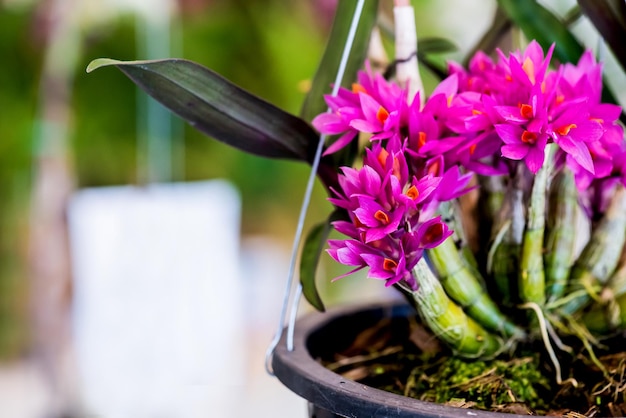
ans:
(488, 120)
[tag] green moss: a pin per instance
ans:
(485, 384)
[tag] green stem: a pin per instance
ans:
(600, 256)
(532, 280)
(464, 286)
(447, 320)
(492, 190)
(451, 214)
(560, 233)
(606, 316)
(609, 313)
(490, 201)
(503, 260)
(617, 282)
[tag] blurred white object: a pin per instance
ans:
(158, 303)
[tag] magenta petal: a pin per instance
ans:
(369, 106)
(345, 256)
(578, 151)
(341, 142)
(343, 98)
(382, 135)
(453, 184)
(364, 126)
(448, 87)
(476, 123)
(432, 233)
(375, 234)
(348, 113)
(509, 134)
(602, 167)
(514, 151)
(366, 212)
(441, 145)
(510, 113)
(375, 263)
(534, 159)
(334, 279)
(586, 132)
(370, 180)
(426, 186)
(607, 112)
(534, 51)
(346, 228)
(329, 123)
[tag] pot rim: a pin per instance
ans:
(303, 375)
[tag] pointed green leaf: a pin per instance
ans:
(435, 45)
(220, 109)
(427, 47)
(309, 260)
(572, 15)
(540, 24)
(326, 72)
(609, 17)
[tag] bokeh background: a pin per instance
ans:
(63, 131)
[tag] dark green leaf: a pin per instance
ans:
(435, 45)
(220, 109)
(438, 68)
(428, 46)
(609, 17)
(309, 260)
(327, 71)
(540, 24)
(572, 16)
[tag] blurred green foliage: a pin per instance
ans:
(18, 91)
(268, 47)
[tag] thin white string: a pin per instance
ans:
(303, 210)
(291, 327)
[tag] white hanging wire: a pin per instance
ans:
(303, 211)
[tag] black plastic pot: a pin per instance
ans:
(331, 395)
